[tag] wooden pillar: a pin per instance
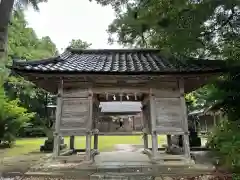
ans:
(109, 125)
(169, 140)
(56, 147)
(95, 141)
(95, 121)
(72, 138)
(153, 126)
(145, 135)
(88, 145)
(133, 123)
(145, 140)
(184, 120)
(89, 126)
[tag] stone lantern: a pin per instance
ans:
(48, 144)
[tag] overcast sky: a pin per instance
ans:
(64, 20)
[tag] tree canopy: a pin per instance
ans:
(204, 29)
(79, 44)
(21, 95)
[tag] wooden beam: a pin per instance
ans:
(115, 77)
(102, 98)
(114, 89)
(56, 149)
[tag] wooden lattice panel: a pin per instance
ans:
(169, 115)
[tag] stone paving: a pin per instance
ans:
(125, 155)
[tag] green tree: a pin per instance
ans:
(205, 29)
(199, 25)
(79, 44)
(6, 7)
(24, 44)
(12, 117)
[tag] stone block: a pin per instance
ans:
(167, 178)
(107, 177)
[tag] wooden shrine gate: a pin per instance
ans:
(84, 78)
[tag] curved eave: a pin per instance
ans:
(62, 73)
(21, 63)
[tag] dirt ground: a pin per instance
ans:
(19, 164)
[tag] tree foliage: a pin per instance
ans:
(7, 8)
(12, 117)
(79, 44)
(22, 96)
(204, 29)
(170, 24)
(23, 43)
(225, 140)
(22, 4)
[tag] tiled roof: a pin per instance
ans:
(118, 61)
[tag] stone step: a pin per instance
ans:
(114, 176)
(107, 177)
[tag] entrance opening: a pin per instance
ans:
(120, 118)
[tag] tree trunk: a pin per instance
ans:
(6, 7)
(3, 54)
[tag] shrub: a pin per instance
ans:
(12, 117)
(225, 141)
(31, 130)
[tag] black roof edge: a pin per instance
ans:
(222, 70)
(36, 62)
(76, 50)
(17, 62)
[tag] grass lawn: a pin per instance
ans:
(106, 143)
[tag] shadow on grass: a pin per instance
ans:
(6, 145)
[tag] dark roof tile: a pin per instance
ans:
(118, 61)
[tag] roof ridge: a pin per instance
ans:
(80, 51)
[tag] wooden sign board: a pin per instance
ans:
(75, 113)
(168, 114)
